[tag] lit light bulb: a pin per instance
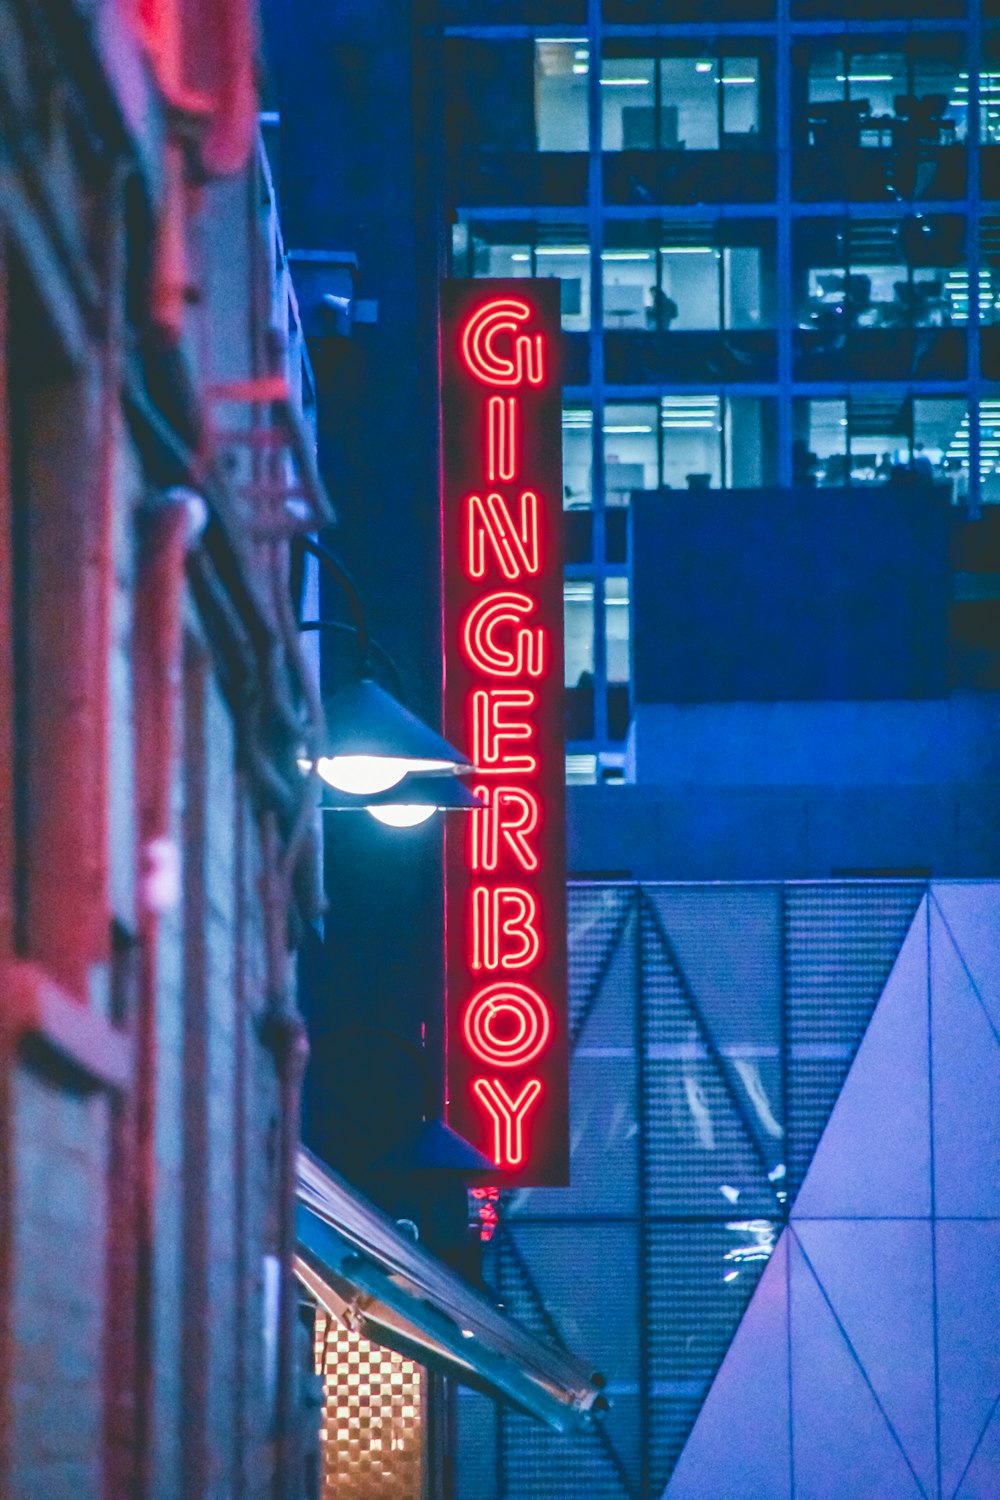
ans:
(366, 774)
(403, 814)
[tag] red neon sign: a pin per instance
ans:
(524, 656)
(501, 520)
(485, 362)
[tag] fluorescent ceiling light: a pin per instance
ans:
(616, 427)
(627, 255)
(562, 250)
(703, 67)
(688, 250)
(865, 78)
(739, 80)
(624, 83)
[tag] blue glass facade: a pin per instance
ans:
(775, 226)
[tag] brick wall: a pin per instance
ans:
(137, 1339)
(58, 1307)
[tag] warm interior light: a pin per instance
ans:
(366, 774)
(403, 814)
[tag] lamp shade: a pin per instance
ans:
(373, 742)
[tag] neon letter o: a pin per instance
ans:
(532, 1024)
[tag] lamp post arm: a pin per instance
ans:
(377, 652)
(335, 567)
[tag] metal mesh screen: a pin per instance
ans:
(840, 943)
(542, 1465)
(713, 1027)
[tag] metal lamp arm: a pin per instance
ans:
(375, 651)
(335, 567)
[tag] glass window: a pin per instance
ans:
(526, 249)
(618, 657)
(692, 442)
(630, 451)
(578, 611)
(879, 447)
(989, 103)
(989, 454)
(616, 629)
(941, 446)
(578, 604)
(628, 104)
(819, 449)
(577, 427)
(740, 84)
(561, 69)
(581, 770)
(689, 104)
(697, 280)
(691, 285)
(566, 254)
(491, 257)
(741, 286)
(686, 103)
(851, 97)
(578, 522)
(703, 442)
(748, 445)
(880, 273)
(826, 68)
(887, 98)
(989, 273)
(937, 108)
(875, 79)
(629, 277)
(871, 440)
(832, 291)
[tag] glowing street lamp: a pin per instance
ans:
(373, 742)
(410, 802)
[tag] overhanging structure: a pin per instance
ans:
(360, 1269)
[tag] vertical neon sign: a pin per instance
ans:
(501, 516)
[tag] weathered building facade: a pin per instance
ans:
(156, 836)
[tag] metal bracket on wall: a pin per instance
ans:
(268, 460)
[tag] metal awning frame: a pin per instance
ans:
(363, 1271)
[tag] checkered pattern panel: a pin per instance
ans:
(373, 1426)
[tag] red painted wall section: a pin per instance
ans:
(203, 53)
